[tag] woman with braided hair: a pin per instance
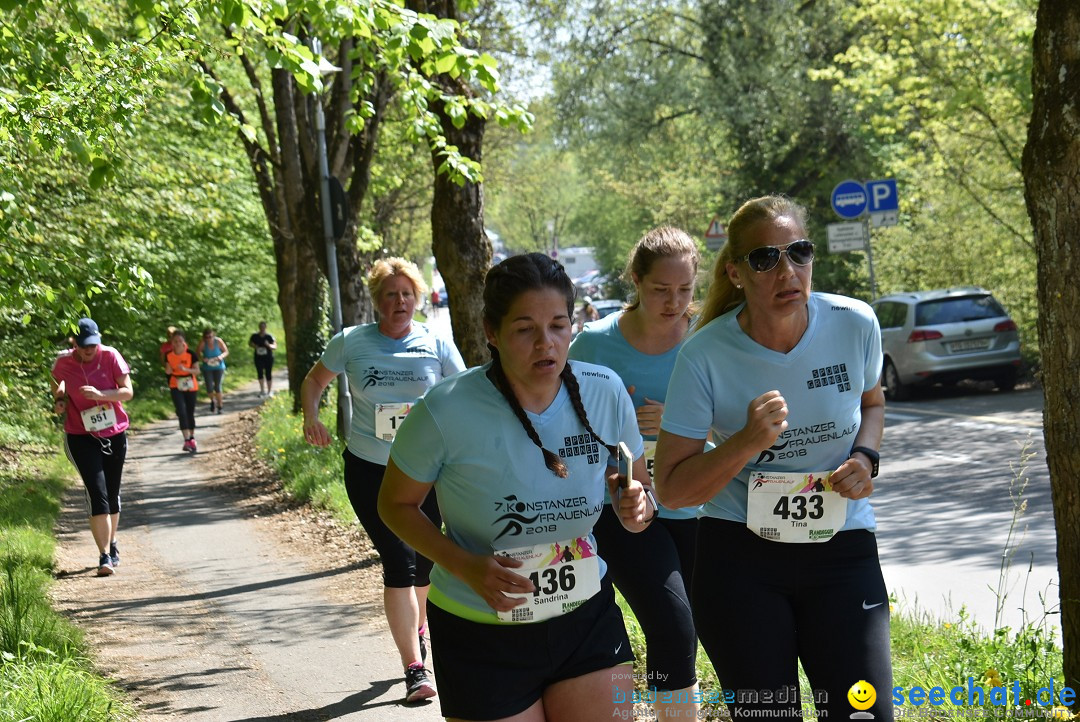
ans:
(523, 619)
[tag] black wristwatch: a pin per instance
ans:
(874, 457)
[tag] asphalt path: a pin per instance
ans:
(211, 616)
(945, 501)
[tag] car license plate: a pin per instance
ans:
(975, 344)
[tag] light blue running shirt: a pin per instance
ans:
(602, 342)
(495, 492)
(720, 370)
(383, 370)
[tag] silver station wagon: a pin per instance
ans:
(945, 336)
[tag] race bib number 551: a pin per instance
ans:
(565, 575)
(99, 418)
(794, 508)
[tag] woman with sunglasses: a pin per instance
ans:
(90, 382)
(524, 624)
(788, 380)
(653, 569)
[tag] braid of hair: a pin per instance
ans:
(570, 380)
(498, 378)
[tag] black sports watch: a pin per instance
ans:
(874, 457)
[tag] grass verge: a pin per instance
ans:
(44, 671)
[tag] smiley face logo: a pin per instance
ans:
(862, 695)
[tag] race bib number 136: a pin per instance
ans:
(794, 508)
(565, 575)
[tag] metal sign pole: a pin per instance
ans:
(344, 399)
(870, 258)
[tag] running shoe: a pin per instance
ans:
(105, 568)
(211, 407)
(187, 445)
(221, 407)
(193, 446)
(418, 684)
(114, 555)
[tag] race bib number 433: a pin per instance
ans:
(795, 508)
(565, 575)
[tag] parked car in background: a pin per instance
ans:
(944, 336)
(607, 306)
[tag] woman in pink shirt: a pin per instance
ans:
(89, 384)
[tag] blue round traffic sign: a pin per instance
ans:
(849, 199)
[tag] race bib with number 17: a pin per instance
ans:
(388, 418)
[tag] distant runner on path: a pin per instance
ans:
(264, 345)
(184, 387)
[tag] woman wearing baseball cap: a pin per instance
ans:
(90, 382)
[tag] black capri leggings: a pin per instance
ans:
(761, 606)
(101, 464)
(402, 566)
(653, 571)
(184, 403)
(264, 365)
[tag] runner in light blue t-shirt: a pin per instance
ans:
(523, 615)
(787, 564)
(654, 569)
(389, 364)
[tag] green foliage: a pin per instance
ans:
(52, 689)
(934, 653)
(177, 239)
(308, 473)
(43, 674)
(945, 91)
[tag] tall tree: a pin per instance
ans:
(1052, 189)
(385, 54)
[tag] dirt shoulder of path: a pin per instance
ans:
(153, 658)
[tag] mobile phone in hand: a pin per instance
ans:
(626, 465)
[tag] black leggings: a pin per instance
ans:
(101, 464)
(653, 570)
(264, 365)
(402, 566)
(184, 403)
(762, 606)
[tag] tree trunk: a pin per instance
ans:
(458, 239)
(1051, 166)
(462, 248)
(287, 176)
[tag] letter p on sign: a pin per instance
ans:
(882, 195)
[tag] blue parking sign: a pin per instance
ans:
(882, 195)
(849, 199)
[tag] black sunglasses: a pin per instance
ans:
(764, 259)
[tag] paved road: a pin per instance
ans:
(210, 617)
(944, 506)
